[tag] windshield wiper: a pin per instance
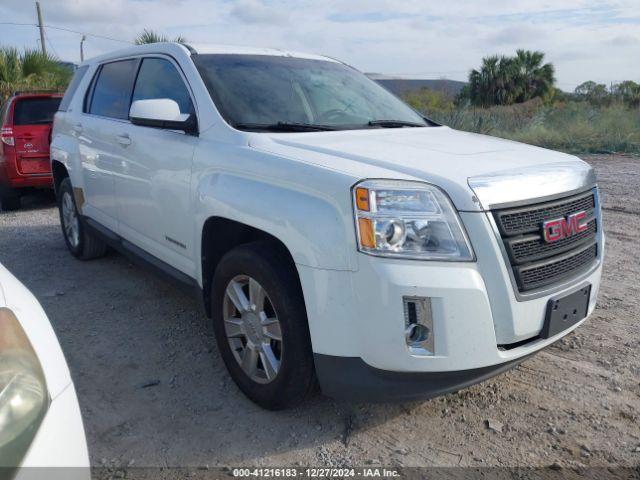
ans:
(394, 124)
(284, 127)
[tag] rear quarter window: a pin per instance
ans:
(34, 111)
(73, 86)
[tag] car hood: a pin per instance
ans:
(450, 159)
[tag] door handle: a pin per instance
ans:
(123, 139)
(77, 128)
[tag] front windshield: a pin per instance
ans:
(251, 91)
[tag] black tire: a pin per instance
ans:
(88, 246)
(275, 272)
(10, 203)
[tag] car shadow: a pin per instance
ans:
(34, 200)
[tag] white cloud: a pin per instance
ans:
(253, 11)
(585, 39)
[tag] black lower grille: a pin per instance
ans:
(537, 263)
(530, 248)
(551, 271)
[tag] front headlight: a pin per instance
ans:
(23, 392)
(408, 220)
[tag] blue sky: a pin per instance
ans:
(585, 39)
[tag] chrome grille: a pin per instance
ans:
(516, 221)
(536, 263)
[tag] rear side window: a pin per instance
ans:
(158, 78)
(73, 86)
(112, 90)
(33, 111)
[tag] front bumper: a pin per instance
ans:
(352, 380)
(28, 181)
(480, 328)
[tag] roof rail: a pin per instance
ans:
(192, 50)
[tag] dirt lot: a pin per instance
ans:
(154, 392)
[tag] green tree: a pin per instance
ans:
(503, 80)
(628, 92)
(30, 70)
(594, 93)
(151, 36)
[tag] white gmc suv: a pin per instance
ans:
(335, 235)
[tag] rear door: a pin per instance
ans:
(154, 183)
(32, 119)
(106, 115)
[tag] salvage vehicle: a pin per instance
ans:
(336, 236)
(40, 421)
(25, 121)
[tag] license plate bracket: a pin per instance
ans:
(564, 312)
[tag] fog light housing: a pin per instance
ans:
(418, 320)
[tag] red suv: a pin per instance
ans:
(26, 120)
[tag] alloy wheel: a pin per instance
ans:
(70, 222)
(252, 328)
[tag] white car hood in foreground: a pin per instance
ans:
(35, 323)
(440, 155)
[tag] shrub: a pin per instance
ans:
(569, 126)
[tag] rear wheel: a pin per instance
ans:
(80, 243)
(10, 202)
(261, 326)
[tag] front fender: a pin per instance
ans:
(316, 228)
(306, 207)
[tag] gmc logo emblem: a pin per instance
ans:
(559, 228)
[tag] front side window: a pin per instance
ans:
(272, 90)
(112, 91)
(34, 111)
(158, 78)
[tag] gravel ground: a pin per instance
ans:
(154, 392)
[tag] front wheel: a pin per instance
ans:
(260, 324)
(80, 243)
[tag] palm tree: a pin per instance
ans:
(30, 70)
(151, 36)
(503, 80)
(495, 82)
(535, 78)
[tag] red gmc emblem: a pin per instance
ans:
(559, 228)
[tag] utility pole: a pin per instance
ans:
(41, 26)
(84, 37)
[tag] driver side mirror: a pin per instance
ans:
(162, 113)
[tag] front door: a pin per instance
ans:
(153, 185)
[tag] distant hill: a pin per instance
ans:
(400, 86)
